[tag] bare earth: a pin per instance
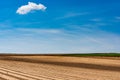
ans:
(58, 68)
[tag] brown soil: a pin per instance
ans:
(58, 68)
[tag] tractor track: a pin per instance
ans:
(7, 74)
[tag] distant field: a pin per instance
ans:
(71, 54)
(94, 54)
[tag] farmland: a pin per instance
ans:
(60, 67)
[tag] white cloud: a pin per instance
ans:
(30, 7)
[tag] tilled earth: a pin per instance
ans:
(59, 68)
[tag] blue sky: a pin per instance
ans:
(59, 26)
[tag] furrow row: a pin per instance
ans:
(14, 75)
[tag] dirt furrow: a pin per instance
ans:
(33, 77)
(7, 76)
(24, 76)
(1, 78)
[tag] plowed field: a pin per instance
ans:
(59, 68)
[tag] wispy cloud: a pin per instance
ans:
(95, 41)
(85, 27)
(70, 15)
(95, 20)
(30, 7)
(117, 17)
(34, 30)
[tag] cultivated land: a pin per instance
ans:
(67, 67)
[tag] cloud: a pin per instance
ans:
(96, 20)
(39, 31)
(30, 7)
(118, 18)
(70, 15)
(96, 41)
